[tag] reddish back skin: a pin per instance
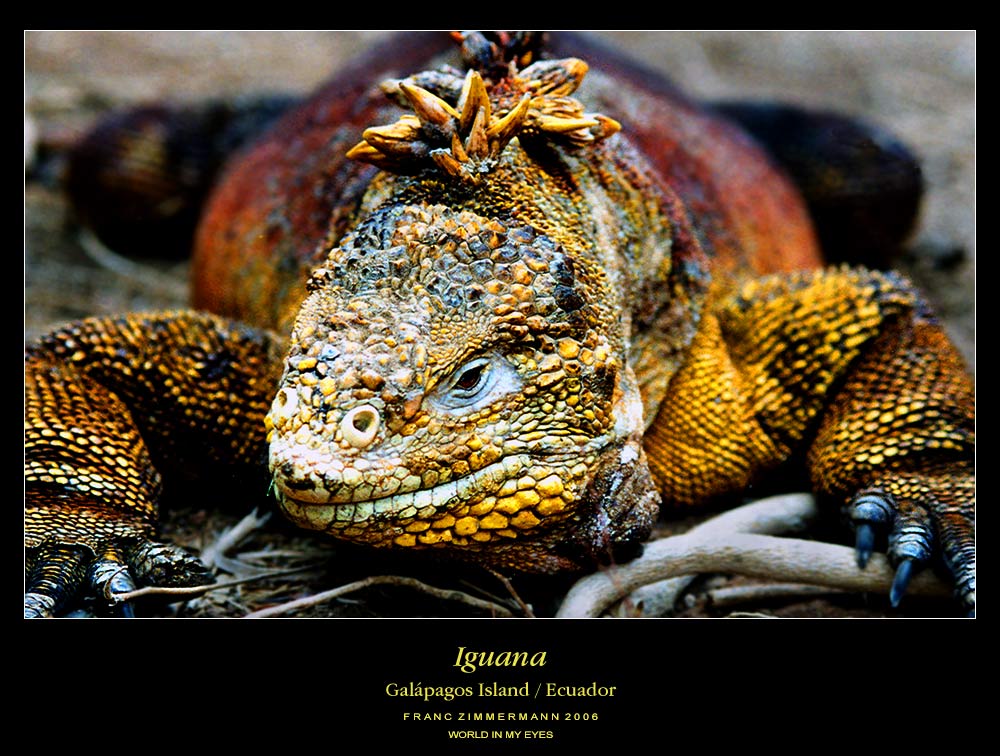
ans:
(284, 201)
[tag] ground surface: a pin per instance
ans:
(921, 85)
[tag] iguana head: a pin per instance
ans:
(457, 377)
(451, 382)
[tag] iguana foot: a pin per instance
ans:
(58, 575)
(914, 531)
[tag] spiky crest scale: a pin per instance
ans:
(461, 125)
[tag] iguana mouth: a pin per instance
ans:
(504, 500)
(419, 502)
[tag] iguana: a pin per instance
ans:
(505, 324)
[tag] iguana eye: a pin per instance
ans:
(477, 384)
(471, 377)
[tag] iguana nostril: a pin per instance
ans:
(360, 426)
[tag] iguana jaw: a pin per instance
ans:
(503, 501)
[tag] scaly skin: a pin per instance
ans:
(505, 347)
(108, 404)
(849, 366)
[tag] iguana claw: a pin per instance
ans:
(864, 543)
(110, 576)
(902, 580)
(915, 532)
(870, 511)
(58, 575)
(957, 536)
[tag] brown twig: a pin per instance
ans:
(482, 591)
(441, 593)
(214, 554)
(747, 594)
(193, 591)
(525, 608)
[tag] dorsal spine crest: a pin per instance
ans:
(460, 126)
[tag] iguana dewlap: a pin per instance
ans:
(502, 312)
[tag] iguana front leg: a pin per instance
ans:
(109, 404)
(847, 368)
(896, 446)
